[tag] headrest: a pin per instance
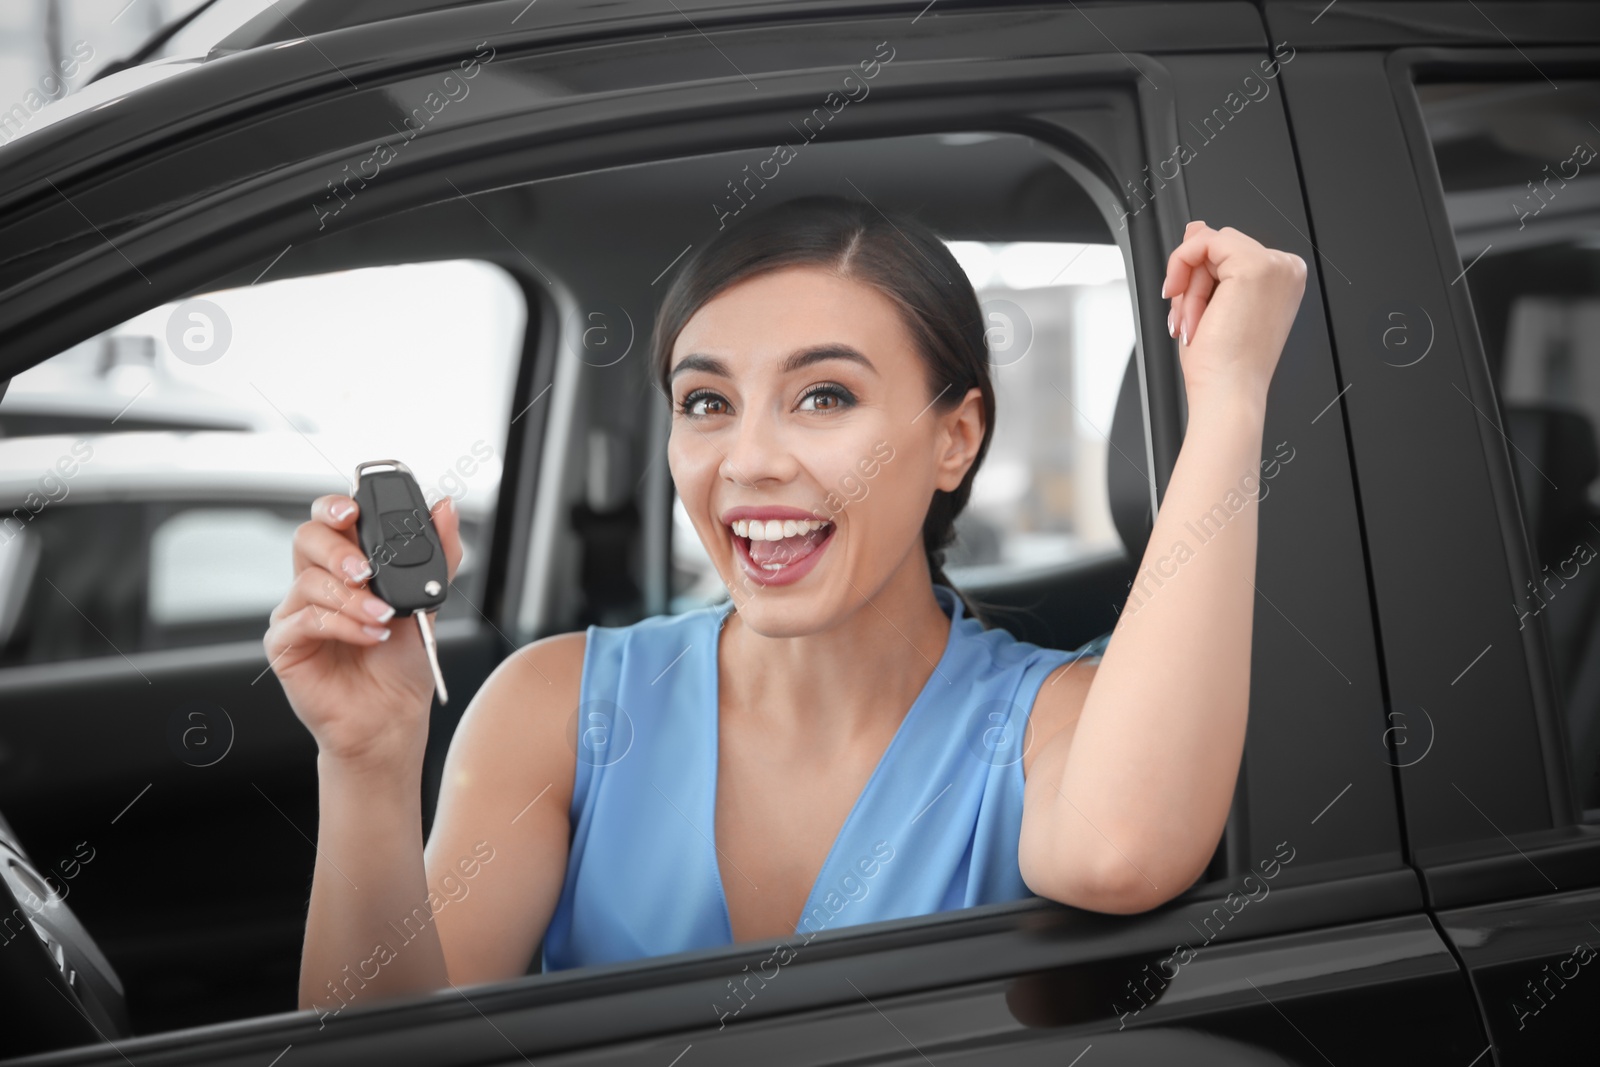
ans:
(1127, 471)
(1556, 460)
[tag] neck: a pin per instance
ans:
(844, 681)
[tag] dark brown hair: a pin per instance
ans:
(900, 257)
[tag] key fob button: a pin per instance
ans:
(402, 534)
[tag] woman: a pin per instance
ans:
(734, 776)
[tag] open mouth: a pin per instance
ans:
(779, 551)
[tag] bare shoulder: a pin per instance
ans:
(553, 665)
(1057, 706)
(522, 709)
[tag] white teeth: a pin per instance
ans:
(774, 529)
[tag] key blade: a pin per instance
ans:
(426, 626)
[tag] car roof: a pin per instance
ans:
(288, 20)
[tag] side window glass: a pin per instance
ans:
(1060, 332)
(1520, 166)
(213, 566)
(153, 475)
(1059, 326)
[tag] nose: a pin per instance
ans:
(756, 451)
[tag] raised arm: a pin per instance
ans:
(1126, 801)
(386, 917)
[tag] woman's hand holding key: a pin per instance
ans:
(358, 681)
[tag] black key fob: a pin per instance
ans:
(395, 528)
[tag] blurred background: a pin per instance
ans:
(51, 48)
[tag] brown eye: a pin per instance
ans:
(828, 397)
(703, 402)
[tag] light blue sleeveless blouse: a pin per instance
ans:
(935, 827)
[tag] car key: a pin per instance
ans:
(395, 528)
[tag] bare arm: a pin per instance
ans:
(1125, 803)
(389, 917)
(386, 917)
(497, 855)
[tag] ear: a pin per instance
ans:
(961, 434)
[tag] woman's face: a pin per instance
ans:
(804, 446)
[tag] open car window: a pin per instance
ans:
(160, 467)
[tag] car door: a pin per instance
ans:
(141, 723)
(1454, 386)
(1311, 913)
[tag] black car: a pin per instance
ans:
(1411, 870)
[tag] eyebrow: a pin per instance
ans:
(796, 360)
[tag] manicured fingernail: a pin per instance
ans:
(357, 569)
(1170, 331)
(1185, 336)
(378, 609)
(1165, 282)
(343, 511)
(380, 632)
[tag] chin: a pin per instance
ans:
(793, 614)
(788, 604)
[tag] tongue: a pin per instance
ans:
(788, 549)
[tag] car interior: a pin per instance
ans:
(598, 543)
(1522, 188)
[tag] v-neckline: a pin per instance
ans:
(718, 619)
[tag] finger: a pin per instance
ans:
(447, 521)
(307, 628)
(1189, 254)
(336, 510)
(1195, 300)
(1228, 248)
(316, 544)
(315, 587)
